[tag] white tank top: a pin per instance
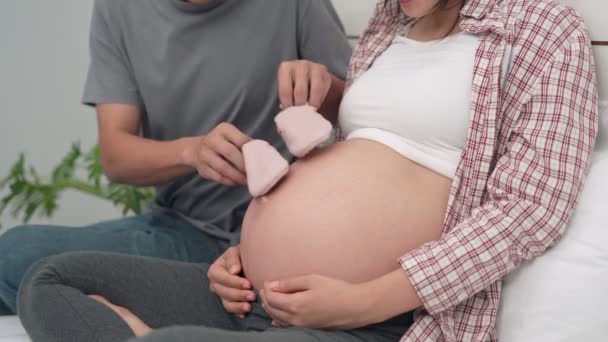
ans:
(416, 99)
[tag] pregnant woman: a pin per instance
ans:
(468, 130)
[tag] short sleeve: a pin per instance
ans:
(110, 78)
(321, 36)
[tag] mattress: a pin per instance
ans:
(11, 330)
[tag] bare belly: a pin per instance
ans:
(347, 211)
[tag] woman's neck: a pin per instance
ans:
(439, 24)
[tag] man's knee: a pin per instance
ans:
(14, 261)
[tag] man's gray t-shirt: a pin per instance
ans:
(189, 67)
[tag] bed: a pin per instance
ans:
(11, 330)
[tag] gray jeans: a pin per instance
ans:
(172, 297)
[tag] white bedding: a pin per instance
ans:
(11, 330)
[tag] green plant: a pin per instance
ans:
(30, 194)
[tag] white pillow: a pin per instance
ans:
(602, 137)
(563, 295)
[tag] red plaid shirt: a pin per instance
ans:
(533, 127)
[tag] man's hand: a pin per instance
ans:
(301, 82)
(217, 156)
(235, 291)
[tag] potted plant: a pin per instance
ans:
(29, 194)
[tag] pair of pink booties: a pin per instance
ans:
(302, 129)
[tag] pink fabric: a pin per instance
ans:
(523, 167)
(302, 129)
(264, 165)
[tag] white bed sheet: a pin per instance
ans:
(11, 330)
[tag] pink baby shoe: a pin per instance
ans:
(302, 129)
(264, 165)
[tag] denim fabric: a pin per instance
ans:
(158, 234)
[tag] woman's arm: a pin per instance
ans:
(386, 297)
(530, 194)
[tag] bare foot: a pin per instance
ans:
(137, 325)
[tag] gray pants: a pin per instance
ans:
(53, 305)
(159, 233)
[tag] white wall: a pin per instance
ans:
(356, 13)
(44, 56)
(43, 62)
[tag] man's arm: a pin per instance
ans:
(317, 78)
(128, 158)
(322, 39)
(303, 82)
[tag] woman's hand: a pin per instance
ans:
(301, 82)
(234, 291)
(217, 156)
(315, 302)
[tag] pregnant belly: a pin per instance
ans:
(347, 211)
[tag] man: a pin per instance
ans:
(179, 87)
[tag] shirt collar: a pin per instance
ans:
(191, 7)
(478, 9)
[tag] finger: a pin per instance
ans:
(318, 87)
(218, 265)
(281, 301)
(235, 136)
(218, 273)
(222, 167)
(232, 294)
(206, 171)
(285, 80)
(275, 313)
(232, 154)
(225, 278)
(239, 309)
(211, 174)
(233, 260)
(302, 82)
(291, 285)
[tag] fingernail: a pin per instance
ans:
(274, 285)
(245, 285)
(242, 316)
(274, 324)
(246, 307)
(251, 297)
(234, 269)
